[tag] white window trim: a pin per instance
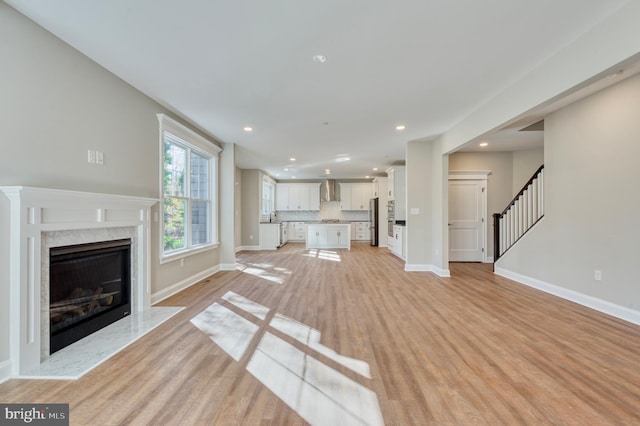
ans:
(199, 143)
(268, 180)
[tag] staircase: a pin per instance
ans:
(524, 211)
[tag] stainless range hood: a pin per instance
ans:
(330, 190)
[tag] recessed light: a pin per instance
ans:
(342, 159)
(292, 159)
(400, 127)
(319, 58)
(367, 177)
(293, 177)
(286, 170)
(375, 169)
(483, 144)
(248, 129)
(277, 174)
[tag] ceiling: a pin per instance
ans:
(226, 65)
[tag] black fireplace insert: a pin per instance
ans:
(89, 288)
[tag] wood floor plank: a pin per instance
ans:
(475, 348)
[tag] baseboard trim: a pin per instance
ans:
(417, 268)
(187, 282)
(600, 305)
(249, 248)
(5, 371)
(228, 267)
(444, 273)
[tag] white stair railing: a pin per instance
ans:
(524, 211)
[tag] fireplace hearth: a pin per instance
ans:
(89, 288)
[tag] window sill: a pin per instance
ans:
(186, 253)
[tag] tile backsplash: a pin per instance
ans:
(328, 210)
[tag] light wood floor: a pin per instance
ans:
(471, 349)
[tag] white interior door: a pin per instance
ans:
(466, 220)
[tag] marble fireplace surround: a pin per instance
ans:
(67, 238)
(43, 218)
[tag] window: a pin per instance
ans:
(188, 184)
(268, 195)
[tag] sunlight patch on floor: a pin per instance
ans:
(227, 329)
(247, 305)
(311, 337)
(323, 254)
(266, 271)
(318, 393)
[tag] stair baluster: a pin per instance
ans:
(522, 213)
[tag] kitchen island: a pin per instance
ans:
(328, 236)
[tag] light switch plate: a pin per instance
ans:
(99, 158)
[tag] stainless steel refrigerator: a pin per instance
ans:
(373, 221)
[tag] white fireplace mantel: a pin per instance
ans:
(37, 214)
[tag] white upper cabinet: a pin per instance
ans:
(297, 196)
(345, 196)
(375, 185)
(397, 190)
(314, 196)
(282, 197)
(390, 181)
(361, 195)
(355, 196)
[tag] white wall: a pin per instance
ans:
(440, 210)
(509, 172)
(55, 104)
(591, 200)
(251, 199)
(525, 164)
(418, 177)
(576, 65)
(227, 207)
(4, 285)
(238, 208)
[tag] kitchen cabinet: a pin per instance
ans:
(345, 196)
(360, 231)
(391, 177)
(355, 196)
(328, 236)
(282, 197)
(397, 241)
(314, 196)
(396, 190)
(296, 231)
(269, 234)
(298, 196)
(379, 187)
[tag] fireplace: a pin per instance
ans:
(41, 219)
(89, 288)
